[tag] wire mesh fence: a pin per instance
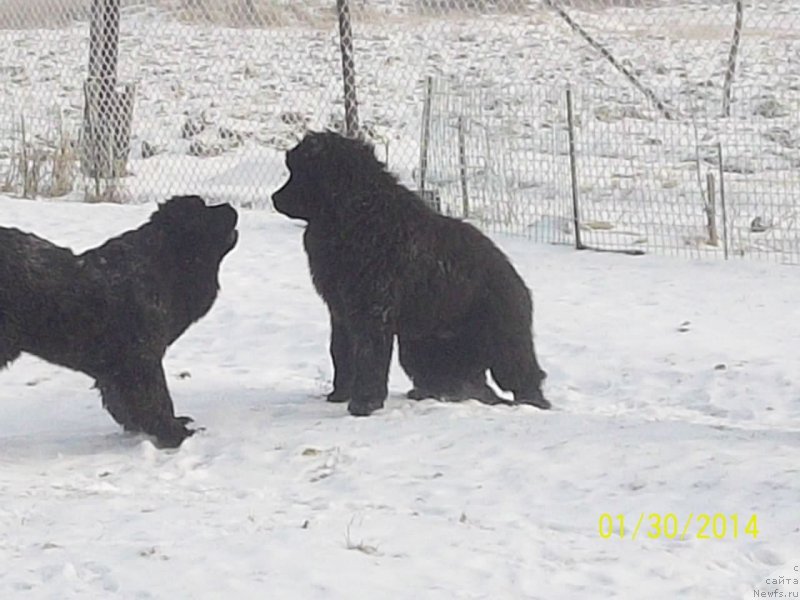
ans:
(133, 100)
(694, 185)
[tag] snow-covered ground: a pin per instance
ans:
(676, 390)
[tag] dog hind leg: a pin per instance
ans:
(446, 368)
(516, 369)
(9, 344)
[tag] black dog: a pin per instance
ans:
(387, 265)
(112, 311)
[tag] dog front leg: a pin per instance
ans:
(342, 356)
(372, 353)
(138, 399)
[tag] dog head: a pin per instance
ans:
(324, 168)
(206, 233)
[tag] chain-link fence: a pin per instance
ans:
(695, 185)
(133, 100)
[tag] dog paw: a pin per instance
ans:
(337, 396)
(535, 399)
(416, 393)
(364, 408)
(493, 400)
(172, 434)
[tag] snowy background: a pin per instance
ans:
(675, 387)
(216, 93)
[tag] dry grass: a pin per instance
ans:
(359, 546)
(63, 163)
(111, 192)
(41, 163)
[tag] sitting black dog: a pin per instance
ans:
(112, 311)
(387, 265)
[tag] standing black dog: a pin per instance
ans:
(112, 311)
(387, 265)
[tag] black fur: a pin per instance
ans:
(112, 311)
(387, 265)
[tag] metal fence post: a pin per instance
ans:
(348, 68)
(426, 134)
(108, 111)
(573, 170)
